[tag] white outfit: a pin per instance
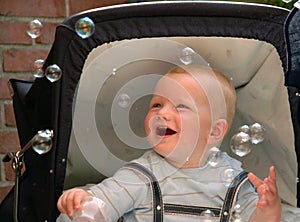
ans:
(128, 193)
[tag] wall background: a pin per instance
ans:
(18, 53)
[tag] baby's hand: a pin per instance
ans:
(70, 200)
(269, 204)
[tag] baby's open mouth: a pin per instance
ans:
(164, 131)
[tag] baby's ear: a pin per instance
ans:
(218, 130)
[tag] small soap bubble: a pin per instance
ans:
(236, 219)
(187, 56)
(53, 73)
(257, 132)
(214, 157)
(38, 68)
(208, 215)
(114, 71)
(236, 213)
(34, 28)
(227, 176)
(123, 100)
(244, 128)
(85, 27)
(240, 144)
(42, 142)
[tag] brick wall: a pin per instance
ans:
(18, 53)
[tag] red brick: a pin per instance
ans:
(15, 33)
(4, 191)
(81, 5)
(9, 171)
(4, 89)
(9, 142)
(40, 8)
(1, 120)
(18, 60)
(9, 115)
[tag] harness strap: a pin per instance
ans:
(231, 195)
(190, 210)
(156, 192)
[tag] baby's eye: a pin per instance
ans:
(181, 106)
(156, 105)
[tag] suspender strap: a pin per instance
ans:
(189, 210)
(231, 195)
(156, 192)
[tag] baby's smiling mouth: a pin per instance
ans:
(164, 131)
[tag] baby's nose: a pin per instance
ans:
(165, 112)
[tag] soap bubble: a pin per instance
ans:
(208, 215)
(240, 144)
(34, 28)
(227, 176)
(214, 157)
(257, 132)
(236, 213)
(53, 73)
(287, 1)
(85, 27)
(123, 100)
(114, 71)
(38, 67)
(244, 128)
(42, 142)
(187, 56)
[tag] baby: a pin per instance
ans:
(190, 112)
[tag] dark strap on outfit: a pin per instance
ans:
(159, 207)
(156, 192)
(231, 195)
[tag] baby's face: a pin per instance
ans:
(179, 121)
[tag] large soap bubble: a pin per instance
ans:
(85, 27)
(240, 144)
(187, 56)
(53, 73)
(34, 28)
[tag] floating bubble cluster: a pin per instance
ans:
(123, 100)
(53, 73)
(85, 27)
(34, 28)
(187, 56)
(241, 143)
(38, 68)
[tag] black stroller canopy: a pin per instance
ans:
(96, 108)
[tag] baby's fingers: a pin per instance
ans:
(254, 180)
(271, 181)
(61, 205)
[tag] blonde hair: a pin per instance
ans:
(224, 83)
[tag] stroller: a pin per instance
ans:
(101, 71)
